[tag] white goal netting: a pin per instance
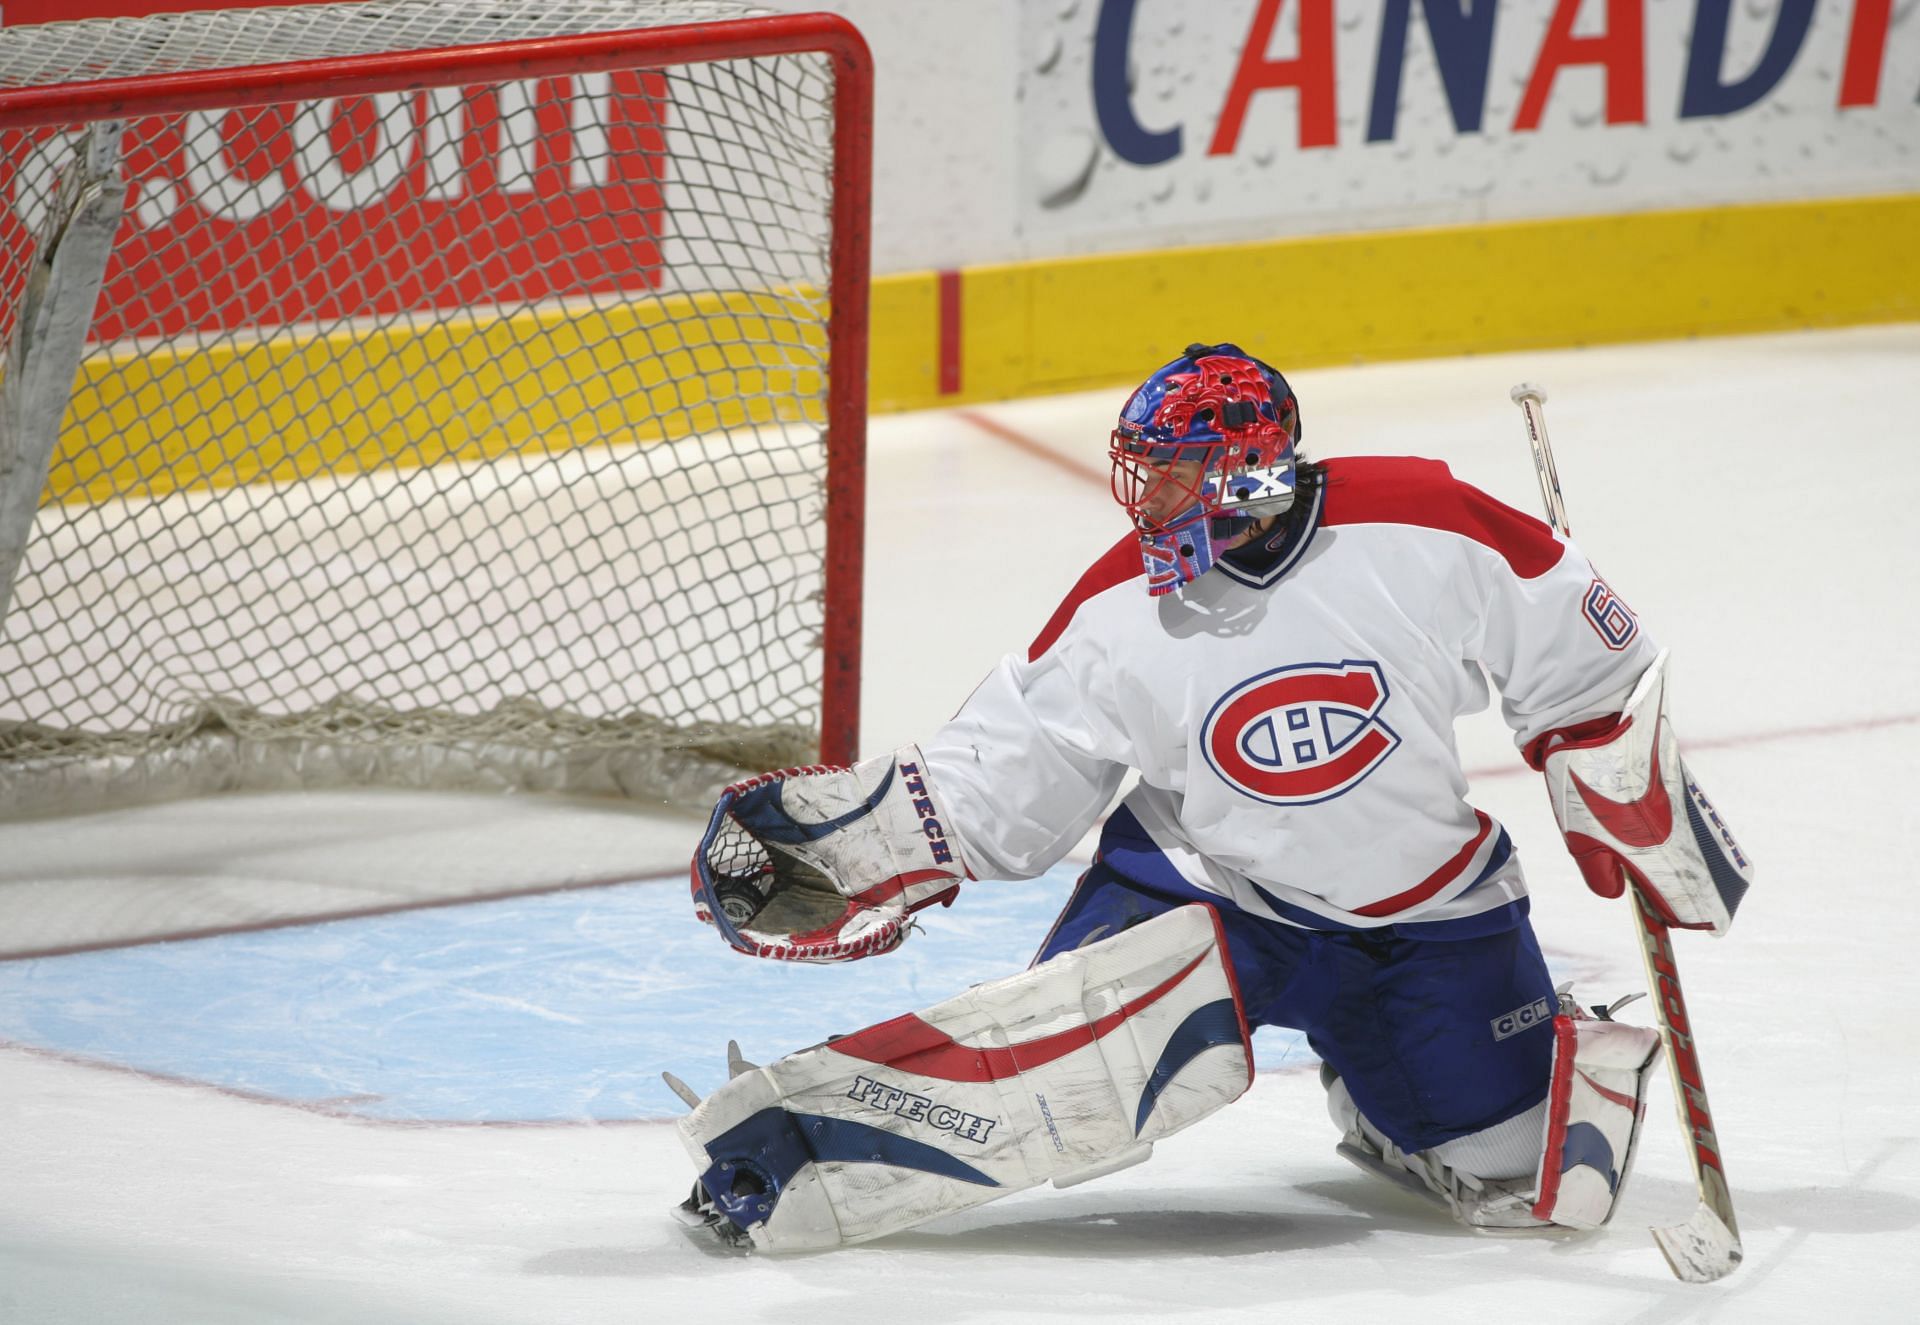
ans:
(472, 433)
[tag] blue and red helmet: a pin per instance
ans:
(1204, 448)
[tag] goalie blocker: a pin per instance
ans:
(1065, 1072)
(1631, 812)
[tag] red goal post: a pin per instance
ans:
(763, 356)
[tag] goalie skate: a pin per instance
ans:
(700, 1214)
(706, 1223)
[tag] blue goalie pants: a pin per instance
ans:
(1418, 1024)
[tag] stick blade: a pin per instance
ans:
(1701, 1250)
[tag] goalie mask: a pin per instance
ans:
(1204, 448)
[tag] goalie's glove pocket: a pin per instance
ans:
(754, 882)
(825, 864)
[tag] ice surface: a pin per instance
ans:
(565, 1006)
(439, 1114)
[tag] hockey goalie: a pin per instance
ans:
(1279, 649)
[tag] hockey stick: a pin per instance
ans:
(1707, 1246)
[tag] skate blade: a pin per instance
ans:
(1368, 1162)
(711, 1231)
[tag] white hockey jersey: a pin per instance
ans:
(1291, 711)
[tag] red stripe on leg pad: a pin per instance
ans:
(1614, 1096)
(1559, 1098)
(912, 1045)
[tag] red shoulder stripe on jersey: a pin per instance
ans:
(1120, 563)
(1424, 493)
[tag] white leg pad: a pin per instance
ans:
(1584, 1133)
(1063, 1072)
(1594, 1108)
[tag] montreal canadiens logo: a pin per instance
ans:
(1302, 734)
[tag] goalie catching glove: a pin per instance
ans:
(826, 864)
(1631, 812)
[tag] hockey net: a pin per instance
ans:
(472, 396)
